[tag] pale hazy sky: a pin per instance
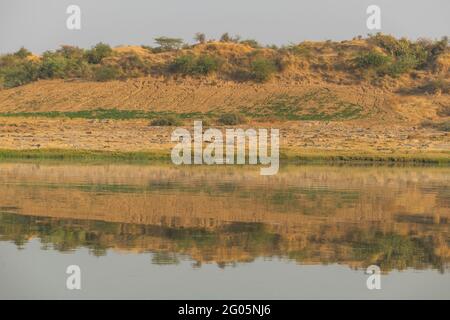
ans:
(41, 25)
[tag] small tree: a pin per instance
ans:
(167, 44)
(207, 64)
(53, 66)
(98, 52)
(252, 43)
(200, 37)
(107, 73)
(20, 74)
(71, 52)
(184, 64)
(22, 53)
(262, 69)
(227, 38)
(133, 66)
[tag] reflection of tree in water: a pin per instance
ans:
(163, 257)
(355, 245)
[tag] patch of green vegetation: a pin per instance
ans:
(168, 44)
(444, 111)
(261, 69)
(369, 245)
(301, 50)
(107, 73)
(364, 157)
(70, 62)
(435, 86)
(18, 74)
(441, 126)
(81, 155)
(102, 63)
(192, 65)
(231, 119)
(405, 55)
(372, 60)
(306, 107)
(113, 114)
(393, 251)
(97, 53)
(166, 121)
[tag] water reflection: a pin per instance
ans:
(395, 217)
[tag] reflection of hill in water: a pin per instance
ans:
(394, 217)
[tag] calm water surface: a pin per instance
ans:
(164, 232)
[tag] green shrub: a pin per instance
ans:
(165, 121)
(231, 119)
(98, 53)
(71, 52)
(437, 85)
(19, 74)
(262, 69)
(52, 66)
(77, 69)
(107, 73)
(133, 66)
(22, 53)
(401, 65)
(66, 62)
(300, 50)
(372, 60)
(206, 64)
(225, 37)
(444, 111)
(438, 47)
(148, 48)
(200, 37)
(444, 126)
(9, 60)
(392, 45)
(184, 64)
(252, 43)
(191, 65)
(423, 52)
(282, 62)
(441, 126)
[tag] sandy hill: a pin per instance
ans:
(313, 80)
(379, 95)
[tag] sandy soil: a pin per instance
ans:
(139, 135)
(389, 122)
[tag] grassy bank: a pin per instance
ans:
(282, 108)
(311, 155)
(286, 156)
(107, 114)
(67, 154)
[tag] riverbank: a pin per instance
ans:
(139, 140)
(286, 156)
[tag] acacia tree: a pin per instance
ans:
(98, 52)
(167, 44)
(200, 37)
(227, 38)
